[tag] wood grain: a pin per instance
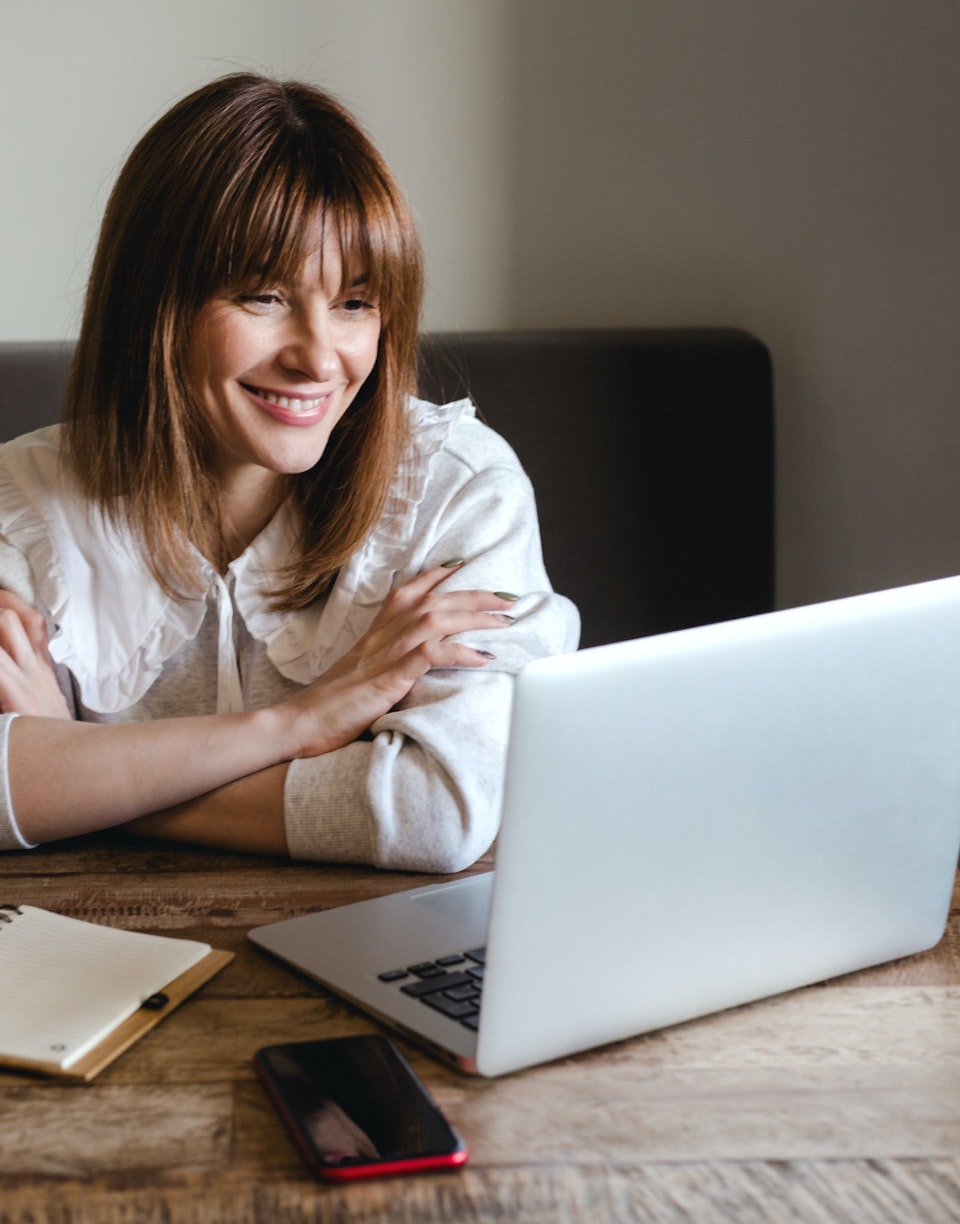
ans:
(839, 1102)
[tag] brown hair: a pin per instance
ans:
(220, 192)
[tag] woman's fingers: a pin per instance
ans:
(28, 682)
(33, 623)
(14, 638)
(358, 690)
(419, 610)
(418, 618)
(430, 654)
(435, 625)
(412, 633)
(411, 595)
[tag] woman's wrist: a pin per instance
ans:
(275, 733)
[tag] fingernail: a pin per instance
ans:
(451, 564)
(505, 617)
(506, 595)
(485, 654)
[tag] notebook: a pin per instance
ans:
(75, 994)
(690, 822)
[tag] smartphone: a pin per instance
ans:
(356, 1108)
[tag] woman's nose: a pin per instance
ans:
(310, 349)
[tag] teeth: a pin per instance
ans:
(290, 402)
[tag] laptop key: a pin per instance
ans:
(393, 975)
(446, 961)
(470, 991)
(425, 969)
(478, 954)
(435, 984)
(471, 1022)
(450, 1007)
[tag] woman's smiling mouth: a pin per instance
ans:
(294, 403)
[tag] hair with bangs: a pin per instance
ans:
(221, 193)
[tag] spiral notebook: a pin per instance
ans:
(74, 995)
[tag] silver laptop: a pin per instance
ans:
(691, 821)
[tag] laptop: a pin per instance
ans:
(690, 822)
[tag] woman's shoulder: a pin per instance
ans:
(42, 506)
(38, 490)
(33, 459)
(44, 438)
(33, 484)
(455, 432)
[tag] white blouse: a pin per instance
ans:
(423, 792)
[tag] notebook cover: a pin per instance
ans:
(132, 1028)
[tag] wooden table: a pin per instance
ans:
(836, 1103)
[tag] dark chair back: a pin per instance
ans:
(651, 454)
(650, 451)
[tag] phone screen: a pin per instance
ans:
(356, 1108)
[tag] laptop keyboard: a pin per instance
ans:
(450, 984)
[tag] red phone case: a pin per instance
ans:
(431, 1162)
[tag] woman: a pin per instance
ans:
(278, 590)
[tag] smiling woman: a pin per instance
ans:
(238, 196)
(253, 590)
(274, 372)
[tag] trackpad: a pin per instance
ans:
(466, 902)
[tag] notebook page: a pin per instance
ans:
(65, 984)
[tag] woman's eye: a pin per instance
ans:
(259, 299)
(357, 305)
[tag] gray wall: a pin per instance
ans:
(80, 81)
(790, 166)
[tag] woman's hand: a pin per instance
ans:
(409, 636)
(28, 682)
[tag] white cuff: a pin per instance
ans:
(7, 800)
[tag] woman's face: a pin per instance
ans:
(275, 369)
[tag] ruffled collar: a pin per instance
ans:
(115, 627)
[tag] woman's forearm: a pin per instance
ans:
(244, 815)
(68, 778)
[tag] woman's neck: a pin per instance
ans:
(244, 514)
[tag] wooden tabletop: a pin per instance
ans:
(839, 1102)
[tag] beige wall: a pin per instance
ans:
(82, 79)
(790, 166)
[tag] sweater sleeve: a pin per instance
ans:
(424, 793)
